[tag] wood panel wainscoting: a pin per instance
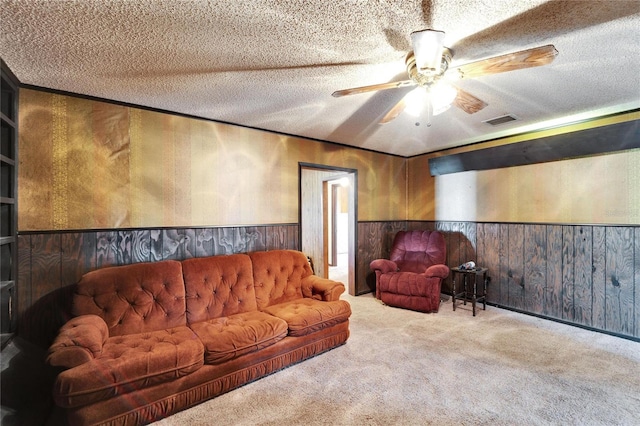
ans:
(584, 275)
(49, 262)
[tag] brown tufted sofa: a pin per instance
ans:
(151, 339)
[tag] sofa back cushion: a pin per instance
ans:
(278, 276)
(137, 298)
(218, 286)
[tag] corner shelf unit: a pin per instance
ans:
(8, 203)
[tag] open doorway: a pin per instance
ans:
(338, 228)
(328, 221)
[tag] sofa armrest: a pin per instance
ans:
(79, 340)
(384, 265)
(440, 271)
(320, 288)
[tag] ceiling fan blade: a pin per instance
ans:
(468, 103)
(529, 58)
(547, 21)
(395, 111)
(372, 88)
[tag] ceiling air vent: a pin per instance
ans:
(501, 120)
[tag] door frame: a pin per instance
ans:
(352, 174)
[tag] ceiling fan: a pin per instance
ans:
(429, 62)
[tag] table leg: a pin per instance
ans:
(464, 278)
(453, 291)
(475, 290)
(484, 292)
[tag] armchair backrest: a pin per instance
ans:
(415, 251)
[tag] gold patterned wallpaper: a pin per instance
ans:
(86, 164)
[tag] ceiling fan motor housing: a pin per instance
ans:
(427, 78)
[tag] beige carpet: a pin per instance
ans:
(407, 368)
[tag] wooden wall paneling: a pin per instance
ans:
(636, 266)
(189, 244)
(277, 237)
(313, 205)
(78, 255)
(106, 248)
(455, 240)
(469, 246)
(203, 242)
(223, 241)
(282, 237)
(370, 240)
(45, 262)
(134, 246)
(293, 237)
(588, 275)
(125, 250)
(155, 245)
(583, 280)
(391, 229)
(239, 243)
(370, 246)
(504, 264)
(553, 289)
(535, 267)
(388, 234)
(375, 240)
(177, 244)
(598, 276)
(23, 286)
(41, 319)
(141, 246)
(488, 248)
(253, 238)
(568, 259)
(619, 291)
(516, 266)
(480, 251)
(445, 229)
(363, 253)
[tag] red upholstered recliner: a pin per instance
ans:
(413, 275)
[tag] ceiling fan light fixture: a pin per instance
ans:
(414, 101)
(427, 49)
(442, 97)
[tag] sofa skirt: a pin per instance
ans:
(151, 404)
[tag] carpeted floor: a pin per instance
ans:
(407, 368)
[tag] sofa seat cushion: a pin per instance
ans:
(305, 316)
(229, 337)
(131, 362)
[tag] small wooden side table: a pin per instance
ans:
(475, 297)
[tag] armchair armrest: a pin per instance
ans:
(440, 271)
(79, 341)
(383, 265)
(320, 288)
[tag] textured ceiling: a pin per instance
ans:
(274, 64)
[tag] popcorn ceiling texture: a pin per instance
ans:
(274, 64)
